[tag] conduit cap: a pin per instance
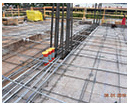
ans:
(45, 53)
(52, 48)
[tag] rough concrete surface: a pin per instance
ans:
(96, 68)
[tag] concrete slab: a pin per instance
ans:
(101, 99)
(69, 87)
(17, 59)
(123, 81)
(108, 65)
(82, 61)
(108, 78)
(67, 100)
(30, 52)
(123, 98)
(79, 73)
(101, 89)
(7, 67)
(123, 68)
(108, 57)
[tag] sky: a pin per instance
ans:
(83, 4)
(90, 4)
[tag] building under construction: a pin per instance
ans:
(64, 60)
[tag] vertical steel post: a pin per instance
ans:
(18, 10)
(44, 12)
(97, 14)
(65, 44)
(94, 13)
(56, 28)
(52, 16)
(67, 28)
(62, 28)
(71, 23)
(100, 12)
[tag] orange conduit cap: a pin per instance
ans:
(45, 53)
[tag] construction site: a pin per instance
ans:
(51, 56)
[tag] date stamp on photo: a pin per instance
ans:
(115, 95)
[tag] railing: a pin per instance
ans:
(78, 12)
(84, 12)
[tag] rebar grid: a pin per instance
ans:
(42, 87)
(6, 86)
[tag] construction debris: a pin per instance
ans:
(12, 20)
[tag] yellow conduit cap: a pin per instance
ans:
(45, 52)
(52, 48)
(49, 50)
